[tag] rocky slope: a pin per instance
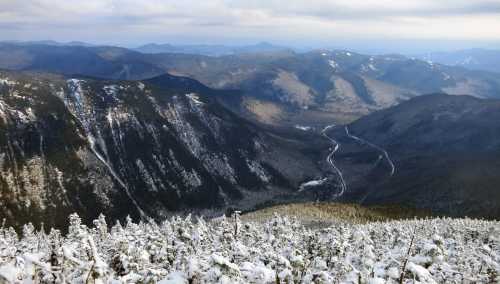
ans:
(144, 148)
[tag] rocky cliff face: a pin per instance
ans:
(140, 148)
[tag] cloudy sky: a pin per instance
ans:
(296, 22)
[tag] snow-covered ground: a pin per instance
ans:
(303, 128)
(278, 251)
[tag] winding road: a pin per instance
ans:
(330, 160)
(378, 148)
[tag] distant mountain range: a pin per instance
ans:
(48, 42)
(473, 59)
(279, 88)
(211, 50)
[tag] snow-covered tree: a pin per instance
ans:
(227, 250)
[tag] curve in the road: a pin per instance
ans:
(383, 151)
(331, 161)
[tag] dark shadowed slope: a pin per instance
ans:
(445, 150)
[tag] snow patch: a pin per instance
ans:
(312, 183)
(195, 98)
(258, 170)
(333, 64)
(141, 86)
(303, 128)
(7, 81)
(372, 67)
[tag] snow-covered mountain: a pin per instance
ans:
(139, 148)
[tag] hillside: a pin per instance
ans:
(147, 148)
(437, 152)
(324, 214)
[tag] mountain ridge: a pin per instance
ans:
(139, 148)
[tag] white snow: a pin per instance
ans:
(372, 67)
(256, 168)
(7, 81)
(422, 274)
(281, 250)
(312, 183)
(8, 273)
(141, 86)
(175, 277)
(111, 90)
(302, 127)
(195, 98)
(333, 64)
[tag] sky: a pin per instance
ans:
(376, 24)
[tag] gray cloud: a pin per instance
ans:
(265, 19)
(373, 9)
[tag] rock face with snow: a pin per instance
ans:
(140, 148)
